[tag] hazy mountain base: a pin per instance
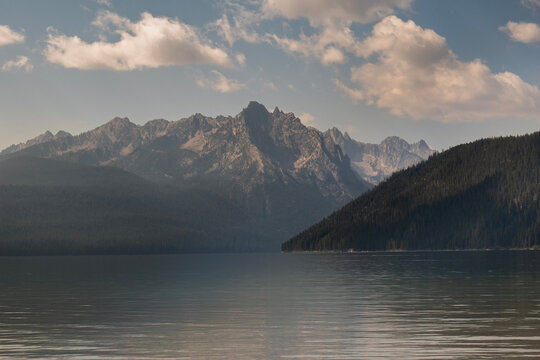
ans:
(60, 208)
(479, 195)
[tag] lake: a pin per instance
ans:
(434, 305)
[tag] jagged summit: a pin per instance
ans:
(252, 105)
(251, 137)
(394, 140)
(422, 144)
(61, 134)
(255, 112)
(119, 123)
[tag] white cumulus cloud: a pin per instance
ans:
(8, 36)
(21, 63)
(241, 28)
(220, 83)
(522, 32)
(332, 20)
(323, 11)
(413, 72)
(328, 45)
(150, 42)
(355, 94)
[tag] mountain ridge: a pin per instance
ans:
(369, 161)
(375, 162)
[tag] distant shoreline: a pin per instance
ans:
(402, 251)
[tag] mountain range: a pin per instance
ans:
(376, 162)
(278, 174)
(481, 195)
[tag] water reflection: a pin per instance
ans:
(449, 305)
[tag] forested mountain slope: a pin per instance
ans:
(50, 207)
(483, 194)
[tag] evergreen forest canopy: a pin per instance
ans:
(481, 195)
(52, 207)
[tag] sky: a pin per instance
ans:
(447, 72)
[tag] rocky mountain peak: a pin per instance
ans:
(61, 134)
(335, 135)
(423, 144)
(395, 142)
(422, 149)
(43, 138)
(374, 163)
(119, 122)
(115, 127)
(277, 111)
(255, 111)
(156, 122)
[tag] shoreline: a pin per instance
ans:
(402, 251)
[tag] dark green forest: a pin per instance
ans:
(480, 195)
(50, 207)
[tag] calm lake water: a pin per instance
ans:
(447, 305)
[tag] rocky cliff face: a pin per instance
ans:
(373, 162)
(267, 162)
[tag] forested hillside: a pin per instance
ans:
(483, 194)
(53, 207)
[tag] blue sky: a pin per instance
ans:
(444, 71)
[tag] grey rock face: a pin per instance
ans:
(373, 162)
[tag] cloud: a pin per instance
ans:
(330, 42)
(238, 23)
(21, 63)
(332, 19)
(324, 11)
(149, 43)
(306, 118)
(531, 4)
(270, 85)
(355, 94)
(241, 29)
(219, 82)
(332, 55)
(413, 72)
(328, 45)
(106, 3)
(8, 36)
(522, 32)
(240, 59)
